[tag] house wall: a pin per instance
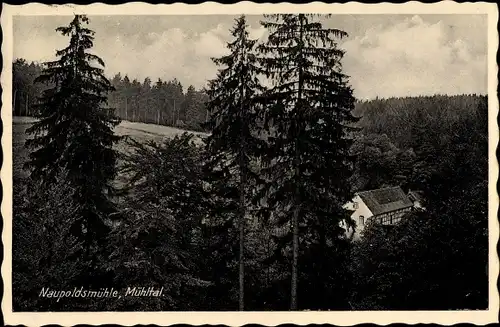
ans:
(362, 210)
(392, 218)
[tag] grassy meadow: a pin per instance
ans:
(140, 132)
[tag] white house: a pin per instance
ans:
(386, 205)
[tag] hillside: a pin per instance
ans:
(138, 131)
(402, 118)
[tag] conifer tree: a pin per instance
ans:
(73, 137)
(234, 141)
(309, 110)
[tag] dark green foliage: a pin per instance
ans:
(436, 259)
(308, 162)
(158, 242)
(45, 253)
(221, 239)
(431, 261)
(277, 158)
(380, 163)
(193, 110)
(401, 119)
(73, 140)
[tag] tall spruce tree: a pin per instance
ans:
(73, 137)
(234, 140)
(309, 109)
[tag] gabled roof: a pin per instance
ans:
(385, 200)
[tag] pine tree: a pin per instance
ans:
(189, 99)
(150, 115)
(127, 97)
(233, 142)
(193, 109)
(73, 137)
(309, 110)
(135, 91)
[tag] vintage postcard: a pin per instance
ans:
(250, 163)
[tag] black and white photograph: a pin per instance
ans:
(314, 160)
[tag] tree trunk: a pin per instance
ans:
(297, 204)
(243, 178)
(14, 102)
(295, 223)
(242, 243)
(322, 274)
(295, 229)
(27, 108)
(178, 115)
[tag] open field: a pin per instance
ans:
(138, 131)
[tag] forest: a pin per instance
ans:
(162, 102)
(248, 220)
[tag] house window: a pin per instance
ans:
(361, 220)
(355, 205)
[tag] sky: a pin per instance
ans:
(386, 55)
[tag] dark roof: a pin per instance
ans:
(385, 200)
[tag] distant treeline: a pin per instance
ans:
(401, 118)
(165, 102)
(161, 102)
(24, 91)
